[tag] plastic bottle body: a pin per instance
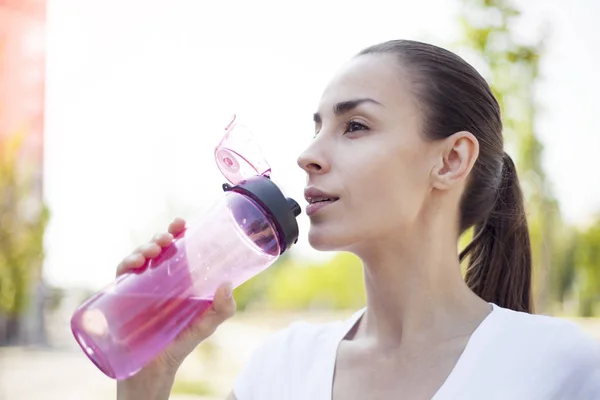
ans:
(131, 321)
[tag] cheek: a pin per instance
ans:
(381, 195)
(389, 194)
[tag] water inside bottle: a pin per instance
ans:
(140, 325)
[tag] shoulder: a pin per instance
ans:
(298, 341)
(286, 357)
(567, 339)
(558, 347)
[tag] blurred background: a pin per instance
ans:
(110, 111)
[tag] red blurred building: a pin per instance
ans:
(22, 71)
(22, 83)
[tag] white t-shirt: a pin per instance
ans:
(510, 356)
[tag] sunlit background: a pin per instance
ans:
(110, 112)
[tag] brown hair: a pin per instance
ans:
(454, 97)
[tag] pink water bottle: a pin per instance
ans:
(131, 321)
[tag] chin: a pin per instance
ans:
(331, 239)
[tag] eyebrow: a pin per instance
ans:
(346, 106)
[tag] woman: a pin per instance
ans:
(407, 155)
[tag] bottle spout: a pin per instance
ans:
(238, 155)
(230, 124)
(294, 206)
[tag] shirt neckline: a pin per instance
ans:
(350, 323)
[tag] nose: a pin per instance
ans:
(312, 161)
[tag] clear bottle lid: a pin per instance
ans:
(239, 156)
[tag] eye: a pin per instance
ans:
(353, 126)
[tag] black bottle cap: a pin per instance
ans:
(281, 211)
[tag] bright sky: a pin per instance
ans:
(138, 92)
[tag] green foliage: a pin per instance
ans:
(22, 226)
(563, 274)
(463, 241)
(293, 284)
(194, 387)
(254, 290)
(587, 261)
(337, 284)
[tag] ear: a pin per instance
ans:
(457, 156)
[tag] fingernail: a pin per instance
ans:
(149, 246)
(136, 259)
(228, 291)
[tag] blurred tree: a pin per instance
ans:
(512, 69)
(586, 257)
(336, 284)
(294, 284)
(22, 225)
(254, 291)
(563, 274)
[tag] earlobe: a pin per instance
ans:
(459, 153)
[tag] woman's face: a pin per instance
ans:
(368, 153)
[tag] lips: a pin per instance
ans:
(318, 199)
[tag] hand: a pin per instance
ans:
(223, 307)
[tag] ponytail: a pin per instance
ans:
(499, 269)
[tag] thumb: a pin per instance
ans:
(224, 304)
(222, 308)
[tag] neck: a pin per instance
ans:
(415, 290)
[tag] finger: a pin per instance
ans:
(131, 262)
(149, 250)
(223, 304)
(177, 226)
(162, 239)
(206, 324)
(223, 307)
